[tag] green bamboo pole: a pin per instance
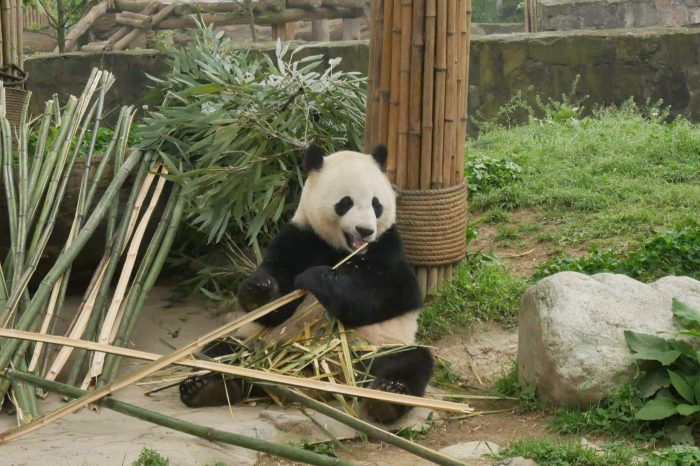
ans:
(44, 290)
(207, 433)
(149, 270)
(364, 427)
(39, 159)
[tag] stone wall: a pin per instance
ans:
(613, 65)
(562, 15)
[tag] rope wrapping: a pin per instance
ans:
(432, 224)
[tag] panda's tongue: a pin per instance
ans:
(357, 243)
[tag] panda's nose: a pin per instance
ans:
(364, 232)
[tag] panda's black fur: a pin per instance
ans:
(371, 288)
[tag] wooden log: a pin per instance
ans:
(211, 7)
(320, 31)
(82, 26)
(95, 47)
(352, 29)
(404, 96)
(148, 10)
(134, 23)
(344, 3)
(306, 4)
(268, 18)
(136, 16)
(133, 35)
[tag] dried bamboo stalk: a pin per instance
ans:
(392, 132)
(465, 13)
(385, 74)
(374, 72)
(260, 376)
(111, 318)
(450, 135)
(428, 94)
(439, 103)
(415, 99)
(6, 30)
(404, 96)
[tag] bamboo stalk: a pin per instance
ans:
(253, 374)
(206, 433)
(42, 293)
(392, 140)
(364, 427)
(146, 276)
(415, 96)
(385, 74)
(465, 12)
(436, 180)
(6, 31)
(374, 72)
(404, 96)
(450, 135)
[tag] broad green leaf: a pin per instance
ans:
(688, 317)
(687, 410)
(639, 342)
(652, 381)
(682, 386)
(656, 409)
(664, 357)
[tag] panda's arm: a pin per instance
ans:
(290, 252)
(363, 296)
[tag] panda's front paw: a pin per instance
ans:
(313, 279)
(257, 290)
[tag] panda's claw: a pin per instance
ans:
(209, 390)
(381, 411)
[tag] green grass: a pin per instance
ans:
(507, 385)
(483, 289)
(616, 176)
(149, 457)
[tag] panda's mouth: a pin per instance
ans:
(355, 242)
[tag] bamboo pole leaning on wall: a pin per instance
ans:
(417, 106)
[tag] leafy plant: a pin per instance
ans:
(233, 124)
(676, 252)
(149, 457)
(676, 455)
(485, 172)
(508, 385)
(552, 453)
(669, 371)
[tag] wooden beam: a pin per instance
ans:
(82, 26)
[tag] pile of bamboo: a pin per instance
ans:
(417, 102)
(11, 30)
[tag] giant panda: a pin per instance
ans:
(346, 201)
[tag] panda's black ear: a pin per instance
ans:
(380, 154)
(313, 158)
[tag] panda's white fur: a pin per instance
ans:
(358, 176)
(351, 174)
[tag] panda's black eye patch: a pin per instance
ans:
(377, 206)
(343, 205)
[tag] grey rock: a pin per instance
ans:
(517, 461)
(571, 343)
(465, 451)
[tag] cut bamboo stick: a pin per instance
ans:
(373, 74)
(385, 74)
(253, 374)
(428, 95)
(451, 104)
(415, 99)
(439, 103)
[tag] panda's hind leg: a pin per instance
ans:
(212, 389)
(405, 372)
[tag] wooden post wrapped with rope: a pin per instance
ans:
(417, 106)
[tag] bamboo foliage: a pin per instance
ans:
(417, 98)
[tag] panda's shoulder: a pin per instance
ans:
(297, 240)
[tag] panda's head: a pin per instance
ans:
(347, 199)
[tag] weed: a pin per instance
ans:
(507, 385)
(496, 215)
(675, 252)
(676, 455)
(483, 289)
(322, 448)
(546, 451)
(149, 457)
(485, 173)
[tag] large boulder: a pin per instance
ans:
(571, 343)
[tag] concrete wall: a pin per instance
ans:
(659, 63)
(561, 15)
